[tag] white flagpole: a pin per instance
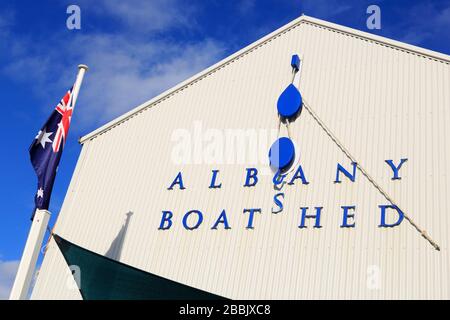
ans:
(39, 225)
(82, 68)
(30, 255)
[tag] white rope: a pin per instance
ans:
(279, 125)
(288, 129)
(364, 172)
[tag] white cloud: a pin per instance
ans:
(6, 22)
(146, 16)
(326, 8)
(124, 74)
(127, 67)
(6, 19)
(443, 18)
(434, 23)
(416, 23)
(244, 6)
(8, 271)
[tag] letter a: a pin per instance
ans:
(74, 20)
(178, 181)
(374, 20)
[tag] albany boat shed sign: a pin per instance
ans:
(193, 219)
(282, 155)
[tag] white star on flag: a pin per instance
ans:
(43, 137)
(40, 193)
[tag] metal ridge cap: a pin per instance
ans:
(380, 39)
(294, 23)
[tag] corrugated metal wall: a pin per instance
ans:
(381, 102)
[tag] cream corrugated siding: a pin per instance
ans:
(381, 101)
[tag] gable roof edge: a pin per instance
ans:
(222, 63)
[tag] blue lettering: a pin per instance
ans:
(346, 173)
(278, 202)
(252, 173)
(304, 216)
(222, 219)
(178, 180)
(395, 168)
(383, 223)
(166, 217)
(347, 215)
(299, 175)
(278, 178)
(199, 221)
(250, 217)
(213, 184)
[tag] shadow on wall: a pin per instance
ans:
(115, 250)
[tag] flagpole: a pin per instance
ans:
(82, 68)
(30, 255)
(38, 228)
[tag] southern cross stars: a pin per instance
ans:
(43, 137)
(40, 193)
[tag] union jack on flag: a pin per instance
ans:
(47, 147)
(65, 109)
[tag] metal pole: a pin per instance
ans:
(39, 225)
(30, 255)
(82, 68)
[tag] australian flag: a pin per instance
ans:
(47, 148)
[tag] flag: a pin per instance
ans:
(47, 147)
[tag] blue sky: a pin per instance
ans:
(136, 49)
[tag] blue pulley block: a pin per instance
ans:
(290, 102)
(282, 154)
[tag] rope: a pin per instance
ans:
(364, 172)
(288, 129)
(294, 72)
(279, 125)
